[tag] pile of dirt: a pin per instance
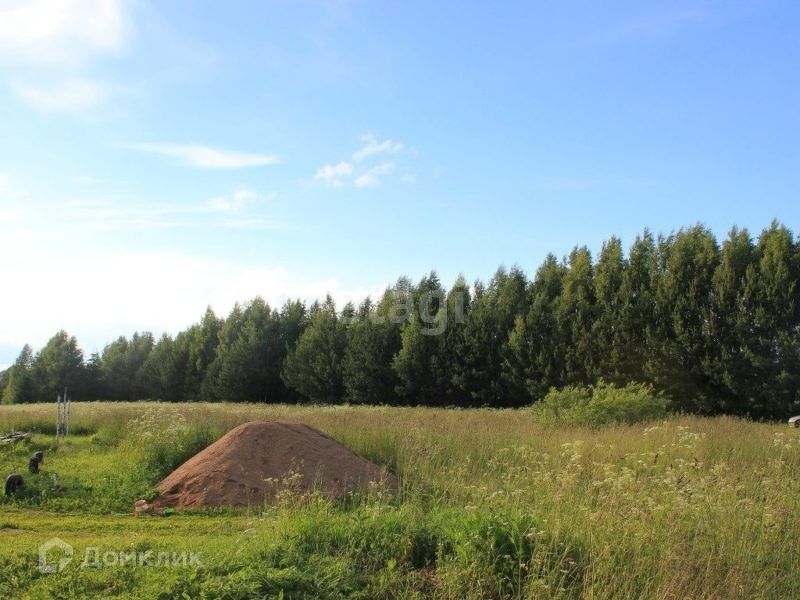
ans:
(252, 463)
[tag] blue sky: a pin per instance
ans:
(157, 157)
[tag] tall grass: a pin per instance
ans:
(494, 503)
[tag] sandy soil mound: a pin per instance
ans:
(251, 463)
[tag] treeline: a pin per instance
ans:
(714, 325)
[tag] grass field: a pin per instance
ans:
(494, 504)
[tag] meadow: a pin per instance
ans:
(494, 504)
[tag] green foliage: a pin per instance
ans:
(421, 363)
(314, 367)
(21, 386)
(602, 404)
(687, 261)
(372, 343)
(482, 350)
(534, 359)
(247, 363)
(163, 373)
(575, 314)
(165, 441)
(57, 366)
(200, 344)
(714, 326)
(493, 505)
(119, 367)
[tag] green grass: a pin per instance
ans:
(494, 504)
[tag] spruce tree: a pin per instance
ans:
(687, 262)
(58, 365)
(421, 370)
(575, 315)
(731, 324)
(535, 358)
(774, 348)
(201, 345)
(609, 333)
(248, 357)
(20, 388)
(314, 366)
(372, 343)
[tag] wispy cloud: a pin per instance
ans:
(205, 157)
(237, 201)
(74, 95)
(373, 146)
(50, 46)
(335, 175)
(242, 208)
(62, 32)
(362, 170)
(372, 176)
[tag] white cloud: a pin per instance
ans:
(363, 170)
(97, 301)
(204, 157)
(47, 48)
(236, 201)
(240, 209)
(373, 146)
(372, 177)
(74, 95)
(335, 175)
(61, 32)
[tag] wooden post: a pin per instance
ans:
(58, 415)
(66, 412)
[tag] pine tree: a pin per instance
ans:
(687, 262)
(535, 358)
(161, 376)
(58, 365)
(575, 315)
(491, 319)
(774, 347)
(372, 343)
(731, 324)
(21, 388)
(201, 342)
(608, 330)
(421, 370)
(639, 336)
(248, 358)
(314, 366)
(119, 366)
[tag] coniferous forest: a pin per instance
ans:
(714, 324)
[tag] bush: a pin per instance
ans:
(601, 404)
(167, 440)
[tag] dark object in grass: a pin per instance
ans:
(40, 456)
(13, 483)
(33, 465)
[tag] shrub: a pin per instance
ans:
(167, 440)
(602, 403)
